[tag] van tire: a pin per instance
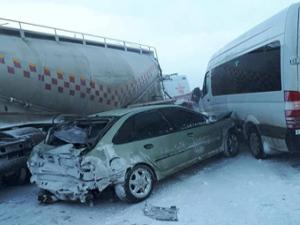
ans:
(256, 145)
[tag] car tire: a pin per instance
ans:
(138, 185)
(231, 144)
(19, 177)
(256, 145)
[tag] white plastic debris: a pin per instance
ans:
(161, 213)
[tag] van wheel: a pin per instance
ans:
(231, 144)
(138, 185)
(256, 145)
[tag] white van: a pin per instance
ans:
(257, 76)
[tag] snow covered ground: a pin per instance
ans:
(223, 191)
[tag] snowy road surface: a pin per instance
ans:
(220, 191)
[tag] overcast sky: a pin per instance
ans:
(185, 32)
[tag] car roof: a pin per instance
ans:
(124, 111)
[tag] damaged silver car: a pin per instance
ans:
(128, 149)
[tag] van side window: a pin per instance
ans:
(256, 71)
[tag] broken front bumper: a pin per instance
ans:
(69, 176)
(68, 188)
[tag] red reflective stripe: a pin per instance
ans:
(47, 71)
(72, 92)
(17, 64)
(48, 86)
(10, 70)
(60, 89)
(26, 74)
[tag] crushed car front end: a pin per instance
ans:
(73, 170)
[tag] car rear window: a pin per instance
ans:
(84, 132)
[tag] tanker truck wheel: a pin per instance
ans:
(18, 177)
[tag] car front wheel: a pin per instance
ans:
(256, 145)
(231, 144)
(138, 184)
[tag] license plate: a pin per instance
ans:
(297, 132)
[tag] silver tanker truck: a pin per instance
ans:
(47, 71)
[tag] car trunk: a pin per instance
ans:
(65, 146)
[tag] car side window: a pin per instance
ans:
(183, 119)
(150, 124)
(142, 126)
(125, 133)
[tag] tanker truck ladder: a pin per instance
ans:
(26, 30)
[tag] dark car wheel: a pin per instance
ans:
(256, 145)
(138, 184)
(21, 176)
(231, 144)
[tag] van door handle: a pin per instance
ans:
(190, 134)
(148, 146)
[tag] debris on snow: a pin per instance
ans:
(161, 213)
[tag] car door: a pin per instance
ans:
(198, 136)
(144, 138)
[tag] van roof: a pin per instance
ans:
(274, 26)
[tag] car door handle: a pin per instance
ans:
(148, 146)
(190, 134)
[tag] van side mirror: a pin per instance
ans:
(196, 94)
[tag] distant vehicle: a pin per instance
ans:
(64, 72)
(176, 85)
(257, 76)
(129, 149)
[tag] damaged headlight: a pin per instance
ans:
(87, 167)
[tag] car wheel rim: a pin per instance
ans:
(140, 183)
(232, 143)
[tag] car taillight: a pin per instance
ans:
(292, 109)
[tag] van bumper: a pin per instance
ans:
(280, 138)
(293, 140)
